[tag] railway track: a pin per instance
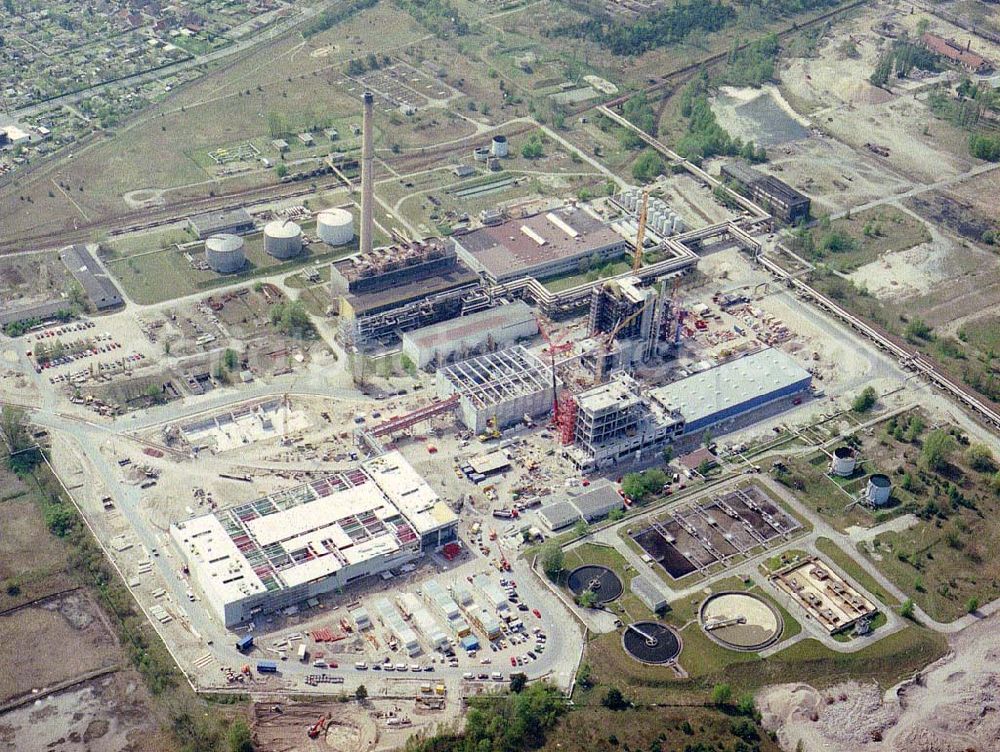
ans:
(908, 357)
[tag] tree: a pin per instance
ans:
(585, 676)
(648, 166)
(281, 170)
(518, 682)
(906, 610)
(532, 148)
(614, 699)
(587, 599)
(865, 401)
(361, 693)
(722, 694)
(972, 605)
(230, 359)
(581, 528)
(668, 453)
(917, 329)
(937, 450)
(22, 452)
(239, 737)
(980, 458)
(552, 559)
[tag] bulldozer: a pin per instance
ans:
(492, 430)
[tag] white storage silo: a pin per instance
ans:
(678, 225)
(282, 238)
(335, 226)
(224, 253)
(879, 490)
(844, 461)
(499, 147)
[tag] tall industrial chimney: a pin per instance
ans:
(367, 179)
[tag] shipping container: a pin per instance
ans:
(244, 643)
(267, 667)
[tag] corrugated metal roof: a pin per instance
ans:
(709, 392)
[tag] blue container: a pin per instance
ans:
(244, 643)
(267, 667)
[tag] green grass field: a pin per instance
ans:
(161, 275)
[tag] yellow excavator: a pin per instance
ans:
(492, 430)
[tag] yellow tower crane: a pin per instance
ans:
(640, 234)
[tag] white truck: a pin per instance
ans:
(303, 653)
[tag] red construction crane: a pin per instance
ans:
(553, 350)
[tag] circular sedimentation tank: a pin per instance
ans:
(282, 238)
(224, 253)
(605, 584)
(335, 226)
(741, 621)
(651, 642)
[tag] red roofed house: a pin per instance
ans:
(957, 54)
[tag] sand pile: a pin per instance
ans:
(952, 706)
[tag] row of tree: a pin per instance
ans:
(666, 26)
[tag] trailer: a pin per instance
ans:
(303, 653)
(267, 667)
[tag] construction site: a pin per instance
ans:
(324, 448)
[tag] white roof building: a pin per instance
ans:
(320, 536)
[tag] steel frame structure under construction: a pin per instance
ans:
(504, 385)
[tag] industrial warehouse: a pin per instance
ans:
(315, 538)
(540, 246)
(620, 418)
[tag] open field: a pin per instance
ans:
(669, 728)
(77, 640)
(853, 241)
(155, 276)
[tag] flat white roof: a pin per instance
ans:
(223, 572)
(318, 514)
(409, 492)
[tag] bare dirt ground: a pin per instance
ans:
(109, 714)
(832, 90)
(69, 631)
(949, 707)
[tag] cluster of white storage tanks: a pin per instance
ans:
(335, 226)
(660, 218)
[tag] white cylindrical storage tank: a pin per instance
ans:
(282, 238)
(224, 253)
(335, 226)
(844, 462)
(678, 225)
(879, 490)
(499, 146)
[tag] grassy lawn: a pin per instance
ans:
(131, 245)
(982, 333)
(869, 235)
(158, 276)
(593, 727)
(566, 281)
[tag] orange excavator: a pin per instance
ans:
(317, 728)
